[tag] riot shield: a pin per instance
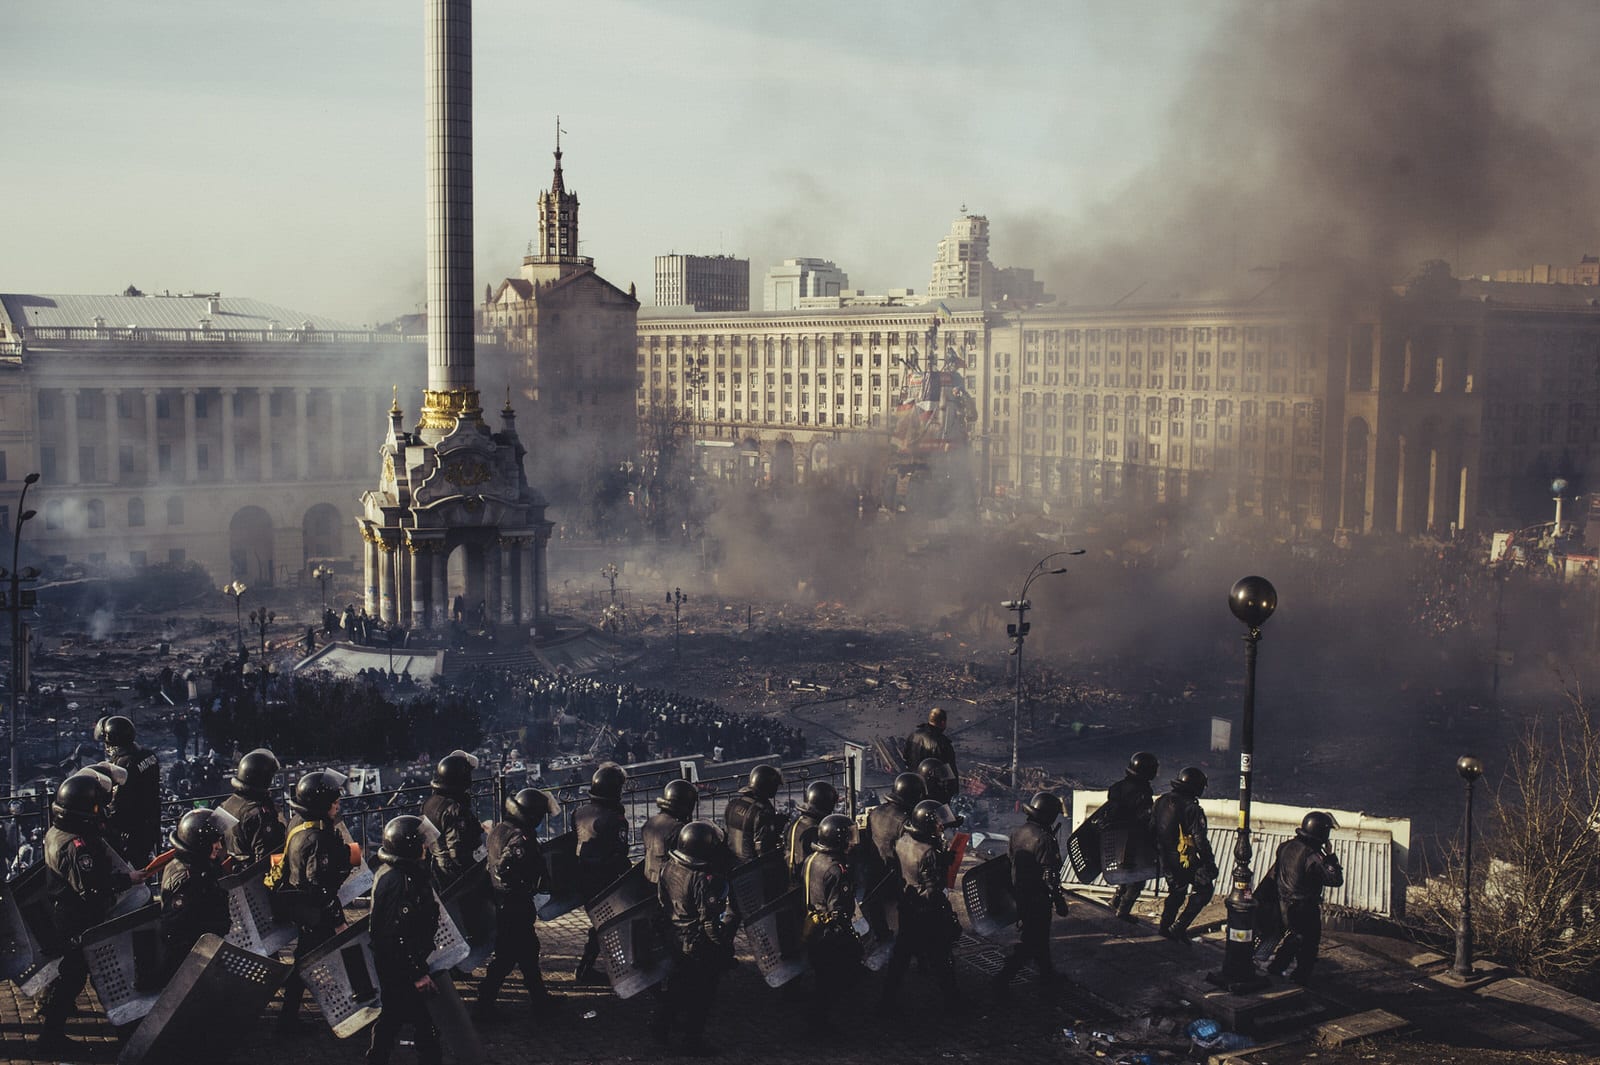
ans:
(125, 963)
(470, 901)
(449, 1015)
(450, 947)
(626, 892)
(561, 858)
(758, 882)
(255, 928)
(985, 903)
(634, 949)
(774, 935)
(1084, 850)
(218, 992)
(357, 884)
(24, 943)
(1128, 854)
(341, 977)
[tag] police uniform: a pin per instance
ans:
(798, 838)
(1132, 803)
(1190, 873)
(517, 872)
(928, 927)
(753, 825)
(1304, 869)
(134, 814)
(660, 833)
(885, 822)
(81, 885)
(460, 835)
(192, 904)
(832, 945)
(259, 832)
(696, 904)
(316, 861)
(602, 831)
(1036, 885)
(405, 916)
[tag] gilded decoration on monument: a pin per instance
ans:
(465, 472)
(441, 410)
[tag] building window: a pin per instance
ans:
(135, 513)
(201, 405)
(174, 510)
(97, 514)
(176, 554)
(86, 463)
(164, 458)
(202, 456)
(52, 514)
(163, 406)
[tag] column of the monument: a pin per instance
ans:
(525, 554)
(419, 584)
(229, 445)
(69, 403)
(113, 435)
(493, 559)
(402, 584)
(441, 587)
(338, 431)
(386, 611)
(264, 402)
(508, 603)
(541, 579)
(302, 433)
(369, 569)
(152, 452)
(191, 437)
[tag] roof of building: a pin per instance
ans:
(952, 304)
(158, 312)
(1524, 294)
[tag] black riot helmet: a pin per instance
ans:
(835, 835)
(820, 799)
(1144, 766)
(528, 808)
(908, 790)
(607, 782)
(927, 821)
(697, 845)
(1316, 827)
(197, 833)
(679, 799)
(117, 731)
(404, 841)
(1044, 808)
(765, 780)
(941, 779)
(256, 771)
(80, 802)
(1192, 781)
(453, 774)
(315, 794)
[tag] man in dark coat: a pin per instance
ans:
(694, 895)
(258, 830)
(517, 872)
(405, 917)
(1036, 883)
(928, 740)
(1186, 859)
(450, 810)
(1306, 865)
(1130, 805)
(602, 829)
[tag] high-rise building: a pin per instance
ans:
(961, 266)
(796, 279)
(704, 282)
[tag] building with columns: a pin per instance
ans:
(216, 429)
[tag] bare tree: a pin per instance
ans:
(1536, 895)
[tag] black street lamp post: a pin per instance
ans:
(1470, 769)
(1018, 632)
(1252, 600)
(13, 606)
(610, 571)
(322, 575)
(260, 620)
(236, 589)
(676, 599)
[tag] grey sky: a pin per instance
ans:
(274, 150)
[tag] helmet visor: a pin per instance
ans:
(430, 832)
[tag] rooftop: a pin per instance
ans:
(30, 311)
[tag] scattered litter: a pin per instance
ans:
(591, 1015)
(1208, 1035)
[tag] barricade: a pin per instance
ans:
(219, 991)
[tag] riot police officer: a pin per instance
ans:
(1131, 802)
(830, 899)
(1186, 859)
(820, 800)
(405, 916)
(1036, 885)
(192, 899)
(928, 740)
(81, 885)
(928, 927)
(754, 828)
(306, 883)
(259, 830)
(677, 802)
(885, 822)
(517, 872)
(135, 813)
(450, 810)
(940, 779)
(602, 829)
(694, 895)
(1306, 865)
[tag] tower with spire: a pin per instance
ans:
(556, 253)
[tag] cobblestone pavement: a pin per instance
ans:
(749, 1021)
